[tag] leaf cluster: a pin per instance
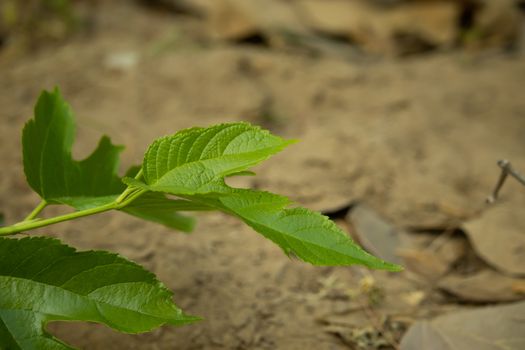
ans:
(44, 280)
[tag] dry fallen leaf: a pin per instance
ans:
(424, 263)
(375, 234)
(496, 23)
(498, 237)
(484, 286)
(238, 19)
(490, 328)
(405, 28)
(449, 247)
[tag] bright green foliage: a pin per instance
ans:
(59, 179)
(48, 164)
(43, 280)
(197, 159)
(193, 164)
(158, 208)
(309, 235)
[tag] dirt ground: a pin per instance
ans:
(414, 138)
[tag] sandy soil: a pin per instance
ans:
(416, 139)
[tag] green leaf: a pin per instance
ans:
(83, 203)
(243, 173)
(196, 160)
(156, 207)
(193, 164)
(49, 167)
(158, 201)
(306, 234)
(44, 280)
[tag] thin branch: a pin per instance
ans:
(506, 170)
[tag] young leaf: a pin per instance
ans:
(83, 203)
(158, 201)
(307, 234)
(166, 217)
(193, 164)
(196, 160)
(156, 207)
(49, 167)
(44, 280)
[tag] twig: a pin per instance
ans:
(506, 170)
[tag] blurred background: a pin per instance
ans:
(402, 107)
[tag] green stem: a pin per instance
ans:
(31, 225)
(124, 194)
(34, 224)
(139, 174)
(129, 190)
(133, 195)
(36, 211)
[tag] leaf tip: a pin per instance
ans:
(387, 266)
(394, 267)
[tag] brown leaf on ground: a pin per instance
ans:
(491, 328)
(484, 286)
(435, 259)
(241, 19)
(498, 237)
(424, 263)
(449, 247)
(496, 23)
(402, 29)
(376, 234)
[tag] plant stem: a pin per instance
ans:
(27, 225)
(139, 174)
(133, 195)
(129, 190)
(124, 194)
(33, 224)
(36, 211)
